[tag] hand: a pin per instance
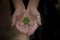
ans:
(33, 16)
(35, 20)
(17, 20)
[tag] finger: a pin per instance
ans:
(21, 28)
(13, 21)
(29, 31)
(34, 27)
(39, 20)
(32, 30)
(38, 17)
(26, 28)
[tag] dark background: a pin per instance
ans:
(50, 13)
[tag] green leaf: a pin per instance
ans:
(26, 20)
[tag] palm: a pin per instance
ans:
(17, 20)
(35, 20)
(27, 26)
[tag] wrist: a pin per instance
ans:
(31, 8)
(20, 8)
(33, 3)
(18, 4)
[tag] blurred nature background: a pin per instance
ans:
(7, 32)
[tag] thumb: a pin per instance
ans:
(13, 21)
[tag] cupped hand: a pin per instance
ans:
(35, 20)
(17, 20)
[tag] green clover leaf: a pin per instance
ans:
(26, 20)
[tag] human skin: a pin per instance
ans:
(20, 36)
(32, 9)
(35, 20)
(31, 12)
(33, 4)
(18, 4)
(18, 13)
